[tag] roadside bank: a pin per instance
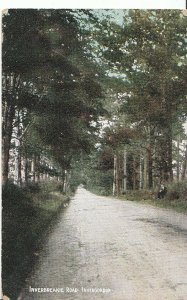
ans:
(27, 215)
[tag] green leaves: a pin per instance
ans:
(47, 74)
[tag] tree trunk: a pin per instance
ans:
(65, 182)
(19, 154)
(68, 181)
(178, 158)
(150, 168)
(125, 172)
(145, 171)
(134, 173)
(37, 168)
(6, 141)
(114, 177)
(184, 165)
(150, 154)
(141, 175)
(33, 168)
(166, 158)
(170, 153)
(45, 176)
(26, 169)
(117, 176)
(19, 166)
(11, 83)
(168, 138)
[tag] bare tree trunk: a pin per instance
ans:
(134, 174)
(68, 181)
(114, 177)
(37, 168)
(178, 158)
(16, 162)
(170, 153)
(145, 171)
(65, 182)
(11, 84)
(19, 150)
(33, 168)
(6, 141)
(117, 176)
(26, 169)
(19, 166)
(184, 165)
(125, 172)
(141, 174)
(150, 167)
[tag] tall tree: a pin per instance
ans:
(149, 48)
(42, 73)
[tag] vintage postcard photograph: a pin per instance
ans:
(94, 154)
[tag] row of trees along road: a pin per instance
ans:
(51, 96)
(108, 81)
(147, 51)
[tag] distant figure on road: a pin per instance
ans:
(162, 191)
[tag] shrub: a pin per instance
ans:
(177, 190)
(32, 187)
(26, 216)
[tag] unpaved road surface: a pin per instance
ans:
(104, 248)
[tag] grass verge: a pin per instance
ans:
(26, 217)
(176, 197)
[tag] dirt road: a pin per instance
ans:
(104, 248)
